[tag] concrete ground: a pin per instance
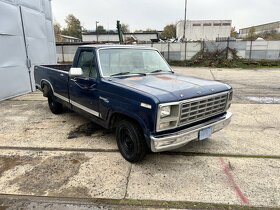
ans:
(64, 161)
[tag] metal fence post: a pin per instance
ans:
(250, 54)
(186, 51)
(168, 51)
(62, 50)
(227, 48)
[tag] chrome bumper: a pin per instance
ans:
(175, 140)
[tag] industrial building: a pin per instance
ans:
(26, 39)
(196, 30)
(274, 26)
(140, 37)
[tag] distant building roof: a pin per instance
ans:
(260, 25)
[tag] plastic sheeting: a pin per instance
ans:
(37, 30)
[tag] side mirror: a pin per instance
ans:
(75, 72)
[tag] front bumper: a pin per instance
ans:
(175, 140)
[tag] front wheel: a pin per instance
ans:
(130, 141)
(55, 107)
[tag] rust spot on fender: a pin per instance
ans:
(163, 77)
(134, 78)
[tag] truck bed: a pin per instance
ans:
(58, 67)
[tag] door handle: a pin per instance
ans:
(62, 75)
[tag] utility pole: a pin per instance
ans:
(96, 22)
(185, 20)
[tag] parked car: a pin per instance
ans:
(134, 90)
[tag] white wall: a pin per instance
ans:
(37, 31)
(197, 33)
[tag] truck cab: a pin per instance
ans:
(135, 91)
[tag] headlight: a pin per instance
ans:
(230, 96)
(168, 116)
(165, 111)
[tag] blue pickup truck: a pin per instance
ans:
(133, 90)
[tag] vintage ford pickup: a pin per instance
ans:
(134, 90)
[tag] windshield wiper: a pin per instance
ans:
(156, 71)
(121, 73)
(159, 70)
(126, 73)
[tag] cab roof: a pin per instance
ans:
(110, 46)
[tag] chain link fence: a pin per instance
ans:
(252, 50)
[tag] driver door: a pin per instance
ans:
(83, 90)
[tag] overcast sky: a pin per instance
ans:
(155, 14)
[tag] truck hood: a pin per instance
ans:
(172, 87)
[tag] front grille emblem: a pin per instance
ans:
(198, 92)
(182, 95)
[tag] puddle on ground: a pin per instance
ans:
(10, 162)
(84, 130)
(51, 174)
(264, 100)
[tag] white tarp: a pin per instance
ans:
(35, 15)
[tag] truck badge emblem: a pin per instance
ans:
(212, 89)
(198, 92)
(182, 95)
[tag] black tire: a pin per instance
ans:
(130, 140)
(55, 107)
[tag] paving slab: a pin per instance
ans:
(239, 181)
(247, 83)
(63, 174)
(204, 73)
(254, 130)
(31, 124)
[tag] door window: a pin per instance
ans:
(87, 62)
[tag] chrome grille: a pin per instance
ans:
(202, 108)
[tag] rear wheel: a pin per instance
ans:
(130, 141)
(55, 107)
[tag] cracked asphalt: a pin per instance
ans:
(67, 162)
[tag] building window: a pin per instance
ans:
(217, 24)
(226, 24)
(207, 24)
(196, 24)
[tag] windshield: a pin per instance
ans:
(131, 61)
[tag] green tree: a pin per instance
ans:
(125, 28)
(150, 30)
(57, 31)
(233, 33)
(272, 35)
(100, 29)
(252, 33)
(73, 27)
(169, 31)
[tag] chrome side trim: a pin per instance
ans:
(54, 93)
(97, 114)
(178, 139)
(61, 97)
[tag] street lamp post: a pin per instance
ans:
(96, 22)
(185, 20)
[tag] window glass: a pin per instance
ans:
(114, 61)
(87, 63)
